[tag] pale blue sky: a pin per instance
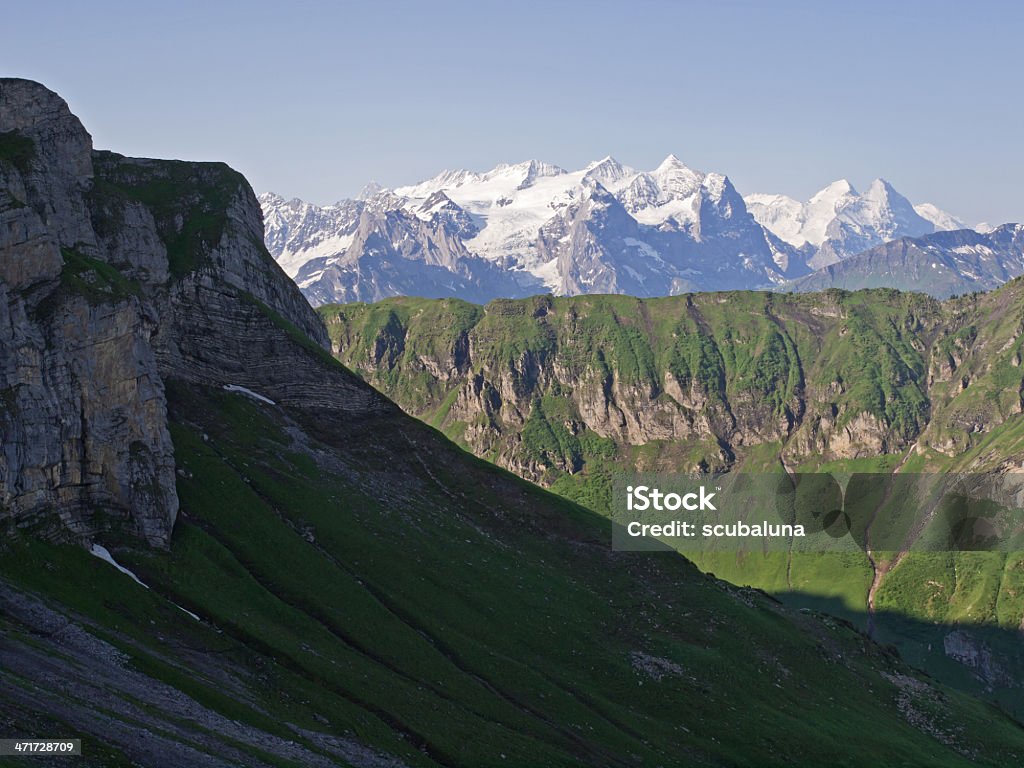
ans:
(313, 99)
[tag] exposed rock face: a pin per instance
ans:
(961, 646)
(83, 421)
(116, 274)
(389, 250)
(30, 252)
(698, 381)
(942, 264)
(54, 179)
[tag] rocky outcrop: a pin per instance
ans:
(117, 274)
(54, 170)
(83, 424)
(960, 645)
(31, 253)
(698, 380)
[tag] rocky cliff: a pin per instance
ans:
(115, 274)
(545, 386)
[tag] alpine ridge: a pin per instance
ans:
(532, 227)
(942, 264)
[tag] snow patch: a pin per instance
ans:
(249, 392)
(645, 249)
(940, 218)
(104, 554)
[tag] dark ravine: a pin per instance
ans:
(329, 581)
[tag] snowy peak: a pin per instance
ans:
(372, 189)
(529, 226)
(609, 172)
(880, 188)
(296, 231)
(537, 169)
(838, 221)
(671, 163)
(718, 187)
(882, 198)
(443, 180)
(821, 210)
(781, 215)
(676, 180)
(269, 198)
(441, 210)
(940, 219)
(515, 175)
(834, 192)
(882, 213)
(435, 202)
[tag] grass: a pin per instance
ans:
(508, 635)
(519, 626)
(189, 202)
(94, 280)
(774, 367)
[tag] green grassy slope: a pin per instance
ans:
(874, 381)
(762, 368)
(362, 577)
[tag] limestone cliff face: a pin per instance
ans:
(545, 386)
(53, 173)
(116, 274)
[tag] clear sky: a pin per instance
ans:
(314, 99)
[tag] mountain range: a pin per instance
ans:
(220, 547)
(533, 227)
(942, 264)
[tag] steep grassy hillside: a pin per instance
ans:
(367, 594)
(567, 392)
(555, 387)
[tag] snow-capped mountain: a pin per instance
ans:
(603, 228)
(838, 222)
(366, 250)
(298, 232)
(533, 227)
(943, 221)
